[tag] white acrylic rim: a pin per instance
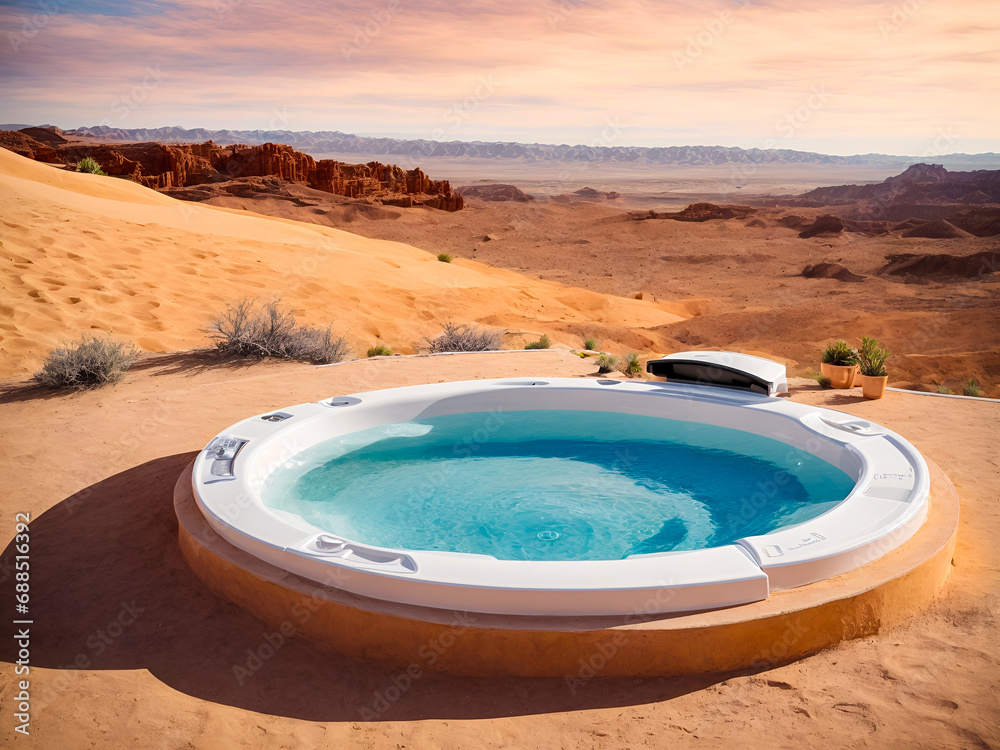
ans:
(887, 505)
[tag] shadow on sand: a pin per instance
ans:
(108, 555)
(191, 362)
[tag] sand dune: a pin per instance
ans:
(88, 253)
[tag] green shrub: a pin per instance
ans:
(445, 258)
(467, 338)
(972, 388)
(630, 366)
(590, 344)
(250, 330)
(90, 166)
(840, 354)
(544, 342)
(944, 389)
(89, 363)
(607, 363)
(823, 380)
(380, 350)
(872, 358)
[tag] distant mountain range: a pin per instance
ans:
(333, 141)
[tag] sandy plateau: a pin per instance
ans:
(82, 253)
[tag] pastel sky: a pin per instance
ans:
(840, 76)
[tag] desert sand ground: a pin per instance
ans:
(96, 471)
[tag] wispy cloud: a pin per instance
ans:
(715, 72)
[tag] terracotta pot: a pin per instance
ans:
(873, 386)
(824, 369)
(858, 377)
(841, 376)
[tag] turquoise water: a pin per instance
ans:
(553, 485)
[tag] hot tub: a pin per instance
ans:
(562, 496)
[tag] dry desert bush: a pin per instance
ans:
(607, 363)
(467, 338)
(250, 330)
(89, 363)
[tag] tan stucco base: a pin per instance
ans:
(788, 625)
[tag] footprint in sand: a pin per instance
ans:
(780, 685)
(313, 288)
(861, 712)
(914, 699)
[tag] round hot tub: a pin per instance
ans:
(562, 496)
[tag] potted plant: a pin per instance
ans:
(874, 376)
(839, 363)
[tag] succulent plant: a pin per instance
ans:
(840, 354)
(872, 358)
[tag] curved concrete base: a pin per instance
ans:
(788, 625)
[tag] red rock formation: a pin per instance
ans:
(375, 179)
(702, 212)
(825, 224)
(496, 192)
(920, 185)
(151, 164)
(169, 167)
(830, 271)
(25, 145)
(591, 194)
(830, 224)
(270, 159)
(924, 268)
(49, 136)
(445, 202)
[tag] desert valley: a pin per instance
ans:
(911, 260)
(563, 375)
